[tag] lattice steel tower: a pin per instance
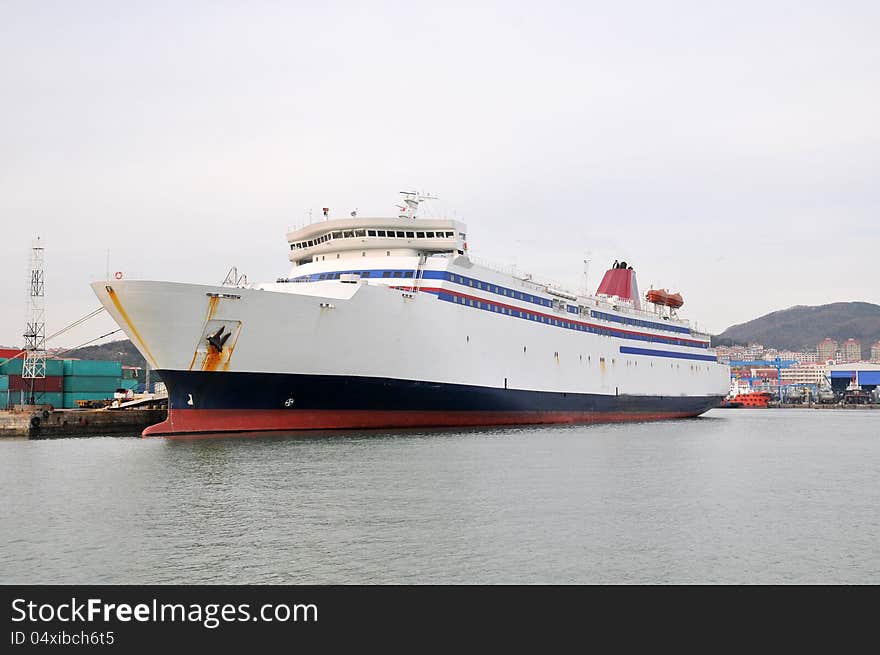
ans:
(34, 366)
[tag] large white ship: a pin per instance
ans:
(388, 322)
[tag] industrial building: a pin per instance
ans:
(804, 373)
(865, 374)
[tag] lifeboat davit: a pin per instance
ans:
(663, 297)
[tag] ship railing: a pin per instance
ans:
(292, 280)
(590, 301)
(526, 280)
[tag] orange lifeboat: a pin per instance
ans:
(663, 297)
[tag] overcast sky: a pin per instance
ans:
(729, 150)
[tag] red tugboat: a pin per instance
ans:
(743, 396)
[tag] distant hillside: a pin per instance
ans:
(803, 327)
(114, 351)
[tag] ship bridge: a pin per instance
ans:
(375, 237)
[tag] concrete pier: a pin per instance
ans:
(38, 422)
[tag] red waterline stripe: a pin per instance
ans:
(557, 318)
(188, 422)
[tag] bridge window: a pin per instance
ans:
(410, 235)
(360, 233)
(337, 235)
(396, 273)
(386, 273)
(371, 233)
(380, 233)
(420, 235)
(400, 235)
(430, 235)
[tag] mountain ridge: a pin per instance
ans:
(801, 327)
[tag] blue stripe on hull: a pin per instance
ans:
(225, 390)
(629, 350)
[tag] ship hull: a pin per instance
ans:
(209, 402)
(329, 355)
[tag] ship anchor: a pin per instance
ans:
(216, 340)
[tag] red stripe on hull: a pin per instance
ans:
(187, 422)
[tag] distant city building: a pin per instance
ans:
(808, 356)
(851, 350)
(804, 374)
(875, 352)
(827, 349)
(757, 352)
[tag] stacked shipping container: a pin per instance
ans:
(90, 380)
(66, 382)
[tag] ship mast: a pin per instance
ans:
(411, 200)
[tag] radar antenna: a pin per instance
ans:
(411, 200)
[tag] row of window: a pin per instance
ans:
(494, 288)
(385, 234)
(570, 325)
(626, 320)
(317, 277)
(335, 276)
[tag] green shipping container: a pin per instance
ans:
(11, 367)
(4, 383)
(90, 383)
(92, 368)
(71, 398)
(54, 398)
(54, 367)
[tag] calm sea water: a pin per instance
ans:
(738, 496)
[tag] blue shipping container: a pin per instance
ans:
(92, 368)
(54, 398)
(54, 367)
(91, 383)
